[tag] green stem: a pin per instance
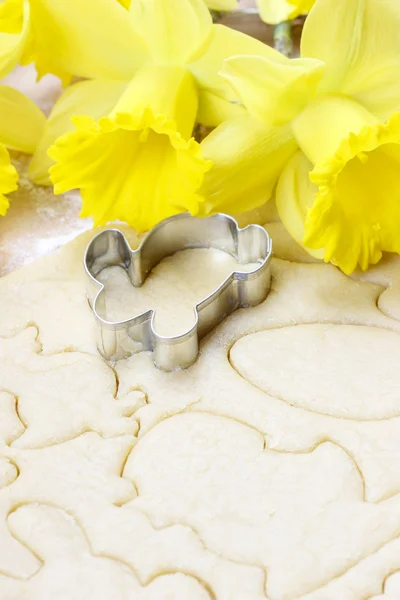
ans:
(283, 38)
(216, 15)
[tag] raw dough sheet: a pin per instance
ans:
(269, 470)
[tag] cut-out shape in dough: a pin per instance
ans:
(387, 274)
(71, 571)
(62, 395)
(346, 371)
(81, 474)
(391, 588)
(11, 427)
(302, 516)
(8, 473)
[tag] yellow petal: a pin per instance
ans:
(295, 195)
(8, 179)
(273, 90)
(42, 59)
(325, 122)
(14, 30)
(277, 11)
(248, 158)
(225, 42)
(125, 3)
(360, 44)
(356, 213)
(221, 4)
(88, 39)
(169, 91)
(136, 165)
(136, 169)
(21, 123)
(93, 98)
(175, 30)
(213, 109)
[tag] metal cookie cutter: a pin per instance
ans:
(119, 339)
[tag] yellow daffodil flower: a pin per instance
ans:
(21, 126)
(130, 152)
(277, 11)
(325, 130)
(139, 164)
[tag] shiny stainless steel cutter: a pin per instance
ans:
(120, 339)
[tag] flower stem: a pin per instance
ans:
(283, 38)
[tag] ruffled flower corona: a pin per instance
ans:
(326, 131)
(159, 78)
(355, 214)
(137, 165)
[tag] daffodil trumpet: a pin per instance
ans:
(355, 212)
(324, 131)
(139, 163)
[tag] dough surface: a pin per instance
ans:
(269, 470)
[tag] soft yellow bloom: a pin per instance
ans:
(277, 11)
(138, 164)
(339, 194)
(21, 126)
(8, 179)
(144, 106)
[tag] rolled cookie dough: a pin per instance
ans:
(266, 471)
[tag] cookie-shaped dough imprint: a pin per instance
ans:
(345, 371)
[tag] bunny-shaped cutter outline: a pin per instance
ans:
(120, 339)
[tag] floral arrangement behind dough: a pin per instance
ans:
(321, 132)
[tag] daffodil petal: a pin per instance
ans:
(93, 98)
(14, 30)
(43, 60)
(168, 90)
(213, 109)
(273, 91)
(226, 5)
(356, 213)
(277, 11)
(322, 126)
(135, 168)
(247, 158)
(360, 44)
(89, 39)
(295, 194)
(224, 43)
(174, 31)
(21, 123)
(8, 179)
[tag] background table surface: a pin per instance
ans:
(39, 222)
